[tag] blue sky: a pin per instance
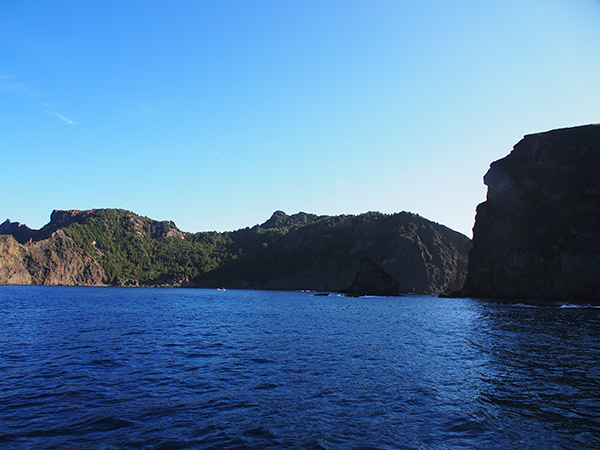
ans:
(215, 114)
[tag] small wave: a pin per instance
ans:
(134, 333)
(262, 361)
(259, 432)
(109, 423)
(201, 355)
(105, 362)
(171, 444)
(465, 427)
(579, 306)
(266, 386)
(4, 438)
(77, 393)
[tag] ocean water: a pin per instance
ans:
(175, 368)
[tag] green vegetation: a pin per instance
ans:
(133, 249)
(301, 251)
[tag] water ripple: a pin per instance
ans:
(148, 369)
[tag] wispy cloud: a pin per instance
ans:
(8, 83)
(339, 183)
(61, 117)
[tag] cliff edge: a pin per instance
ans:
(57, 260)
(537, 236)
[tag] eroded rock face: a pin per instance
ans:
(13, 264)
(538, 234)
(57, 260)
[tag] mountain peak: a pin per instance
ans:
(281, 219)
(21, 232)
(68, 215)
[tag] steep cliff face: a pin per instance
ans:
(13, 263)
(538, 234)
(57, 260)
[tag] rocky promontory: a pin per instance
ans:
(537, 236)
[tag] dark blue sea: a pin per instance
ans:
(110, 368)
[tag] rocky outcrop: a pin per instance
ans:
(57, 260)
(20, 232)
(372, 279)
(13, 262)
(537, 236)
(281, 219)
(66, 217)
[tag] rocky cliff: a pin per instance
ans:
(537, 236)
(57, 260)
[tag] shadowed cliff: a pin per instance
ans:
(537, 236)
(325, 253)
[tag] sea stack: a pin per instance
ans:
(537, 236)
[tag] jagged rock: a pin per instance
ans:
(57, 260)
(372, 279)
(20, 232)
(68, 216)
(13, 265)
(538, 234)
(281, 219)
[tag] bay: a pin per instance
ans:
(179, 368)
